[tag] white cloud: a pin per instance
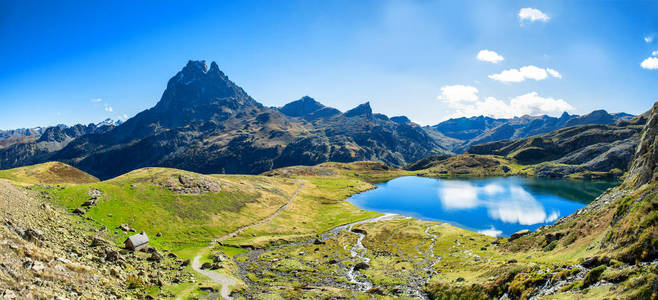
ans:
(123, 117)
(458, 93)
(650, 63)
(489, 56)
(532, 14)
(492, 232)
(527, 104)
(648, 39)
(655, 53)
(554, 73)
(96, 100)
(527, 72)
(108, 108)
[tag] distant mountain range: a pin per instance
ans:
(458, 135)
(206, 123)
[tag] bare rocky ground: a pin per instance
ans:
(47, 253)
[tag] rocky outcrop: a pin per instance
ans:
(643, 168)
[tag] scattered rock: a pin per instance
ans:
(98, 241)
(185, 263)
(593, 262)
(156, 256)
(550, 237)
(191, 185)
(206, 265)
(94, 193)
(79, 211)
(159, 234)
(361, 266)
(111, 255)
(90, 202)
(33, 235)
(375, 291)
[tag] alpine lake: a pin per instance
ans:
(492, 206)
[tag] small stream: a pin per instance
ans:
(358, 250)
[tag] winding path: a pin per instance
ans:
(221, 279)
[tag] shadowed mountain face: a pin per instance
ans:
(458, 135)
(206, 123)
(573, 149)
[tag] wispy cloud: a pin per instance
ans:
(489, 56)
(655, 53)
(108, 108)
(532, 15)
(649, 38)
(96, 100)
(650, 63)
(523, 73)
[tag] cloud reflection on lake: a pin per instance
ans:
(492, 206)
(507, 202)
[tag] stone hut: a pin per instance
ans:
(137, 241)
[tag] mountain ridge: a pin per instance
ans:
(206, 123)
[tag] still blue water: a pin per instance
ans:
(493, 206)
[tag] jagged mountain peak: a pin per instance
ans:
(361, 110)
(199, 92)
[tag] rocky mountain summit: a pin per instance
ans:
(206, 123)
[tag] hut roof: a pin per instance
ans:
(138, 239)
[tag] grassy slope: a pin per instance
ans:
(140, 200)
(47, 173)
(189, 222)
(321, 204)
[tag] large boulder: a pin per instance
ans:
(519, 234)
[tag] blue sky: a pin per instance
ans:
(81, 61)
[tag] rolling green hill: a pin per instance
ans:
(48, 173)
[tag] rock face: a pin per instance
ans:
(643, 168)
(206, 123)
